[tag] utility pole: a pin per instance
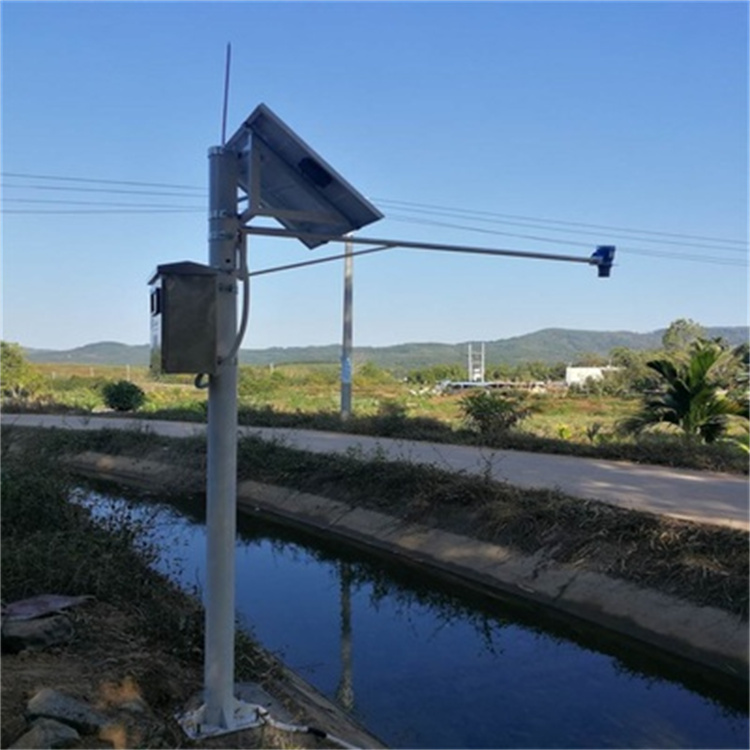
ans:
(221, 481)
(346, 347)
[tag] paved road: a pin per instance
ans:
(697, 495)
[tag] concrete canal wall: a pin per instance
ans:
(707, 636)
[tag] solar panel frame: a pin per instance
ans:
(287, 179)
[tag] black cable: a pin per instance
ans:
(100, 181)
(421, 207)
(680, 243)
(98, 203)
(554, 221)
(101, 190)
(92, 211)
(684, 256)
(424, 207)
(536, 238)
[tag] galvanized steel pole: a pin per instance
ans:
(221, 482)
(346, 347)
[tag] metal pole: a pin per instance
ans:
(600, 260)
(221, 482)
(346, 347)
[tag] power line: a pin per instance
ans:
(716, 260)
(90, 211)
(423, 208)
(26, 175)
(680, 243)
(638, 251)
(413, 205)
(117, 208)
(46, 201)
(454, 212)
(468, 213)
(119, 191)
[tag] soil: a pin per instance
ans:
(108, 666)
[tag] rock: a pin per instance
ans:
(35, 634)
(46, 733)
(52, 704)
(135, 706)
(39, 606)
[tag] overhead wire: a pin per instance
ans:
(413, 205)
(93, 211)
(120, 191)
(718, 245)
(110, 204)
(536, 225)
(476, 212)
(66, 178)
(536, 238)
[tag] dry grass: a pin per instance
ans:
(701, 563)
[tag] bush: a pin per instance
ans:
(19, 378)
(368, 374)
(123, 396)
(492, 414)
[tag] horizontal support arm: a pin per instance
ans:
(274, 232)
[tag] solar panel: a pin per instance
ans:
(287, 180)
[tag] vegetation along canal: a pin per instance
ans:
(424, 665)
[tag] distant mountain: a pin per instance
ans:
(101, 353)
(547, 345)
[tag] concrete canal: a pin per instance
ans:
(422, 664)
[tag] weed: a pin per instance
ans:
(51, 544)
(594, 432)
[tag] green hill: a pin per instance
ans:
(101, 353)
(548, 345)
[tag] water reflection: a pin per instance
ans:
(438, 668)
(345, 689)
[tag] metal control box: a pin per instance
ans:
(183, 318)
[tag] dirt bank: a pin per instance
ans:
(110, 667)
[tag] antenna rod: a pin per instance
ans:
(226, 96)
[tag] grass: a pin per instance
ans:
(704, 564)
(307, 396)
(50, 544)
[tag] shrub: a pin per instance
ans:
(368, 373)
(123, 396)
(492, 414)
(19, 378)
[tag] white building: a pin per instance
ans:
(579, 375)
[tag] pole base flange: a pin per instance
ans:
(244, 716)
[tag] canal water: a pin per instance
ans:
(424, 665)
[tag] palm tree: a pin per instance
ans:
(692, 400)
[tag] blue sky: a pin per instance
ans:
(610, 116)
